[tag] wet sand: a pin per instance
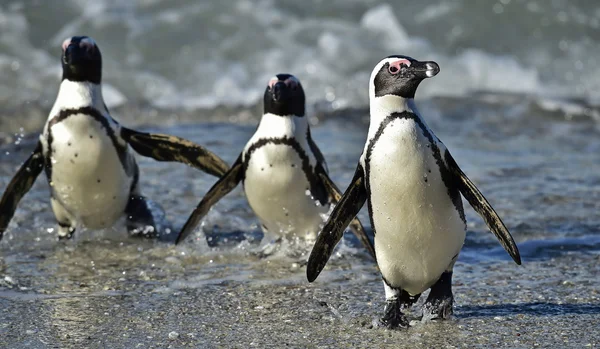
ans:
(126, 299)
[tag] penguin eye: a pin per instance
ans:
(393, 69)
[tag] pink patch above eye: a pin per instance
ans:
(66, 44)
(272, 82)
(395, 66)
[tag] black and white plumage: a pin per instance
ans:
(283, 171)
(85, 153)
(412, 186)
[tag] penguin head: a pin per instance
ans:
(400, 76)
(81, 60)
(284, 96)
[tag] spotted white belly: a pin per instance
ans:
(278, 192)
(88, 178)
(418, 229)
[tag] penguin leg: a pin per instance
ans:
(66, 223)
(140, 221)
(396, 301)
(440, 301)
(270, 243)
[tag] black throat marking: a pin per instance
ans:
(317, 189)
(447, 177)
(96, 115)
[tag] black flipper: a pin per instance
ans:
(140, 220)
(355, 226)
(483, 207)
(223, 186)
(171, 148)
(19, 186)
(344, 212)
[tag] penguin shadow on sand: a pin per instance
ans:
(530, 308)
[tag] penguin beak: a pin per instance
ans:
(73, 55)
(280, 92)
(423, 70)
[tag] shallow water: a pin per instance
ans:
(105, 289)
(516, 103)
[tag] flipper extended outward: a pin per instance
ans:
(355, 226)
(483, 207)
(333, 231)
(171, 148)
(19, 186)
(223, 186)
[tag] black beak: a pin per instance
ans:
(73, 54)
(424, 70)
(280, 92)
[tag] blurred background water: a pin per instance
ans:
(517, 102)
(198, 54)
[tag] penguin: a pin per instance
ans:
(87, 158)
(283, 172)
(412, 186)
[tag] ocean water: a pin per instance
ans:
(517, 102)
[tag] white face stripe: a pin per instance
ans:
(85, 42)
(378, 68)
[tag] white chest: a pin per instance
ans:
(88, 177)
(278, 191)
(418, 228)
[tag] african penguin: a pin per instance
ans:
(412, 186)
(92, 173)
(282, 170)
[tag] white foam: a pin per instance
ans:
(202, 55)
(382, 19)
